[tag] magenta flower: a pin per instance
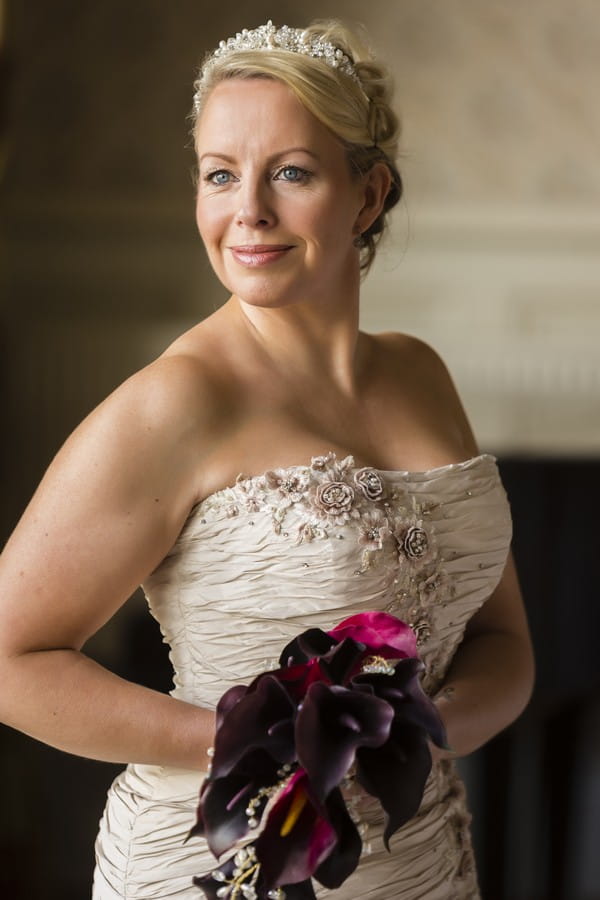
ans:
(302, 838)
(381, 633)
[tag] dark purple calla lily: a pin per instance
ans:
(335, 667)
(228, 701)
(308, 645)
(222, 818)
(265, 718)
(303, 890)
(343, 660)
(332, 723)
(396, 774)
(404, 693)
(343, 859)
(298, 678)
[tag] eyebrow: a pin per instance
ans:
(278, 155)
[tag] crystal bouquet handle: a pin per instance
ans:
(349, 699)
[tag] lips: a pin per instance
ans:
(259, 254)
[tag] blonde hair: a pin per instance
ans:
(356, 109)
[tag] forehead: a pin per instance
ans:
(259, 112)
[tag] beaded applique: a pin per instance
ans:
(331, 493)
(392, 527)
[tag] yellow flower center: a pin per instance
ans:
(298, 804)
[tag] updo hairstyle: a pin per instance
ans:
(357, 111)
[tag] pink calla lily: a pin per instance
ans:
(381, 633)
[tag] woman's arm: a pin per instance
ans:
(491, 676)
(106, 513)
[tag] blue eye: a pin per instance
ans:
(292, 173)
(221, 176)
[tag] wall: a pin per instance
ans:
(493, 256)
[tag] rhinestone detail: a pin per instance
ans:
(268, 37)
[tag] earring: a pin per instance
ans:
(358, 241)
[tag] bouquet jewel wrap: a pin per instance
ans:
(346, 704)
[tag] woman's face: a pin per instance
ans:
(277, 206)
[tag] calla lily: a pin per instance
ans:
(333, 722)
(344, 856)
(222, 817)
(285, 742)
(343, 660)
(380, 632)
(296, 838)
(404, 693)
(335, 666)
(227, 702)
(264, 717)
(298, 678)
(396, 774)
(303, 838)
(309, 645)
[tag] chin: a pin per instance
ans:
(267, 299)
(266, 292)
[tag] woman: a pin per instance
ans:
(364, 486)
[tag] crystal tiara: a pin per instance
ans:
(268, 37)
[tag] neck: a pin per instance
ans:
(306, 343)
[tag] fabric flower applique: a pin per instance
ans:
(334, 500)
(332, 497)
(320, 463)
(374, 528)
(309, 531)
(370, 483)
(414, 540)
(373, 532)
(291, 486)
(313, 501)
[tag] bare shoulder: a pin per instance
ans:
(109, 507)
(411, 364)
(402, 350)
(140, 449)
(175, 394)
(175, 400)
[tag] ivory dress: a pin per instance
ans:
(259, 562)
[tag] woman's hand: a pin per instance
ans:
(491, 676)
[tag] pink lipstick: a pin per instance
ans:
(259, 254)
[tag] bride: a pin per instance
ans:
(296, 144)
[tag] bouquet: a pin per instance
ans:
(345, 706)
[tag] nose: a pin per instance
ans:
(255, 209)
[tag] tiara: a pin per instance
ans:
(268, 37)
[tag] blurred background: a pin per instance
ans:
(494, 258)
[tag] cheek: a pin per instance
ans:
(335, 217)
(209, 220)
(332, 229)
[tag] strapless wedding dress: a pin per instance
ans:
(300, 547)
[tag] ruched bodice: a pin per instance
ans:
(299, 547)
